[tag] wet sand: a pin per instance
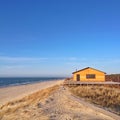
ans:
(16, 92)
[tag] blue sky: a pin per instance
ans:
(56, 37)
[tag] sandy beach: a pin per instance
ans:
(16, 92)
(47, 101)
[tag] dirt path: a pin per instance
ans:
(59, 104)
(62, 106)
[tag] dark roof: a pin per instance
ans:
(87, 68)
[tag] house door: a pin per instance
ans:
(78, 77)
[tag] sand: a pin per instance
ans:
(16, 92)
(54, 103)
(67, 107)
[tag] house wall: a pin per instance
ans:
(100, 76)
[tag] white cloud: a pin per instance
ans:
(72, 58)
(9, 67)
(6, 58)
(59, 65)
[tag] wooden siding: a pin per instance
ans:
(99, 76)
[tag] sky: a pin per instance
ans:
(56, 37)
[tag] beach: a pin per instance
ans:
(16, 92)
(48, 100)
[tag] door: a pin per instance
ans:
(78, 77)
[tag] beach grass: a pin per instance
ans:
(107, 97)
(51, 103)
(12, 108)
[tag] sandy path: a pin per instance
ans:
(59, 104)
(63, 106)
(15, 92)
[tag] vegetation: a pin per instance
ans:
(113, 77)
(12, 109)
(104, 96)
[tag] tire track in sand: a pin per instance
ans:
(61, 106)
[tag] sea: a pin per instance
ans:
(15, 81)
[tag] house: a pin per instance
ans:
(89, 75)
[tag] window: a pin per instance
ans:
(90, 76)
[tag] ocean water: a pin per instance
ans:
(14, 81)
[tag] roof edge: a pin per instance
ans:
(88, 68)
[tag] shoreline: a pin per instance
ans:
(11, 93)
(29, 80)
(55, 102)
(48, 100)
(28, 83)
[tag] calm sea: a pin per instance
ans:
(4, 82)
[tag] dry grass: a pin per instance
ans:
(100, 95)
(55, 103)
(11, 108)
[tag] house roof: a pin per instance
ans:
(88, 68)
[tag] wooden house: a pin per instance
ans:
(89, 75)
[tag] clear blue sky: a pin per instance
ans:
(56, 37)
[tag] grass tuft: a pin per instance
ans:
(100, 95)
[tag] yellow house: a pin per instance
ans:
(89, 75)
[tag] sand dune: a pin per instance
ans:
(61, 105)
(54, 103)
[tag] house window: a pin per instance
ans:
(90, 76)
